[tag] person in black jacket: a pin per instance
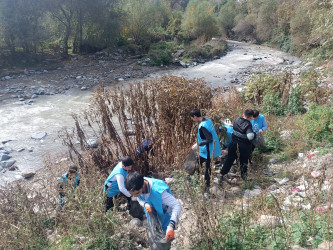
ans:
(241, 139)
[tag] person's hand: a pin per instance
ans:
(261, 131)
(170, 233)
(148, 208)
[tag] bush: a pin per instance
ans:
(295, 105)
(272, 104)
(282, 41)
(161, 53)
(157, 108)
(207, 50)
(318, 123)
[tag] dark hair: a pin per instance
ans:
(248, 113)
(127, 161)
(195, 112)
(72, 169)
(134, 181)
(255, 113)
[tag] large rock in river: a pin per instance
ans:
(4, 157)
(39, 135)
(28, 173)
(7, 164)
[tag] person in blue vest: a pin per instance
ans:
(69, 180)
(154, 194)
(259, 125)
(258, 122)
(115, 183)
(207, 136)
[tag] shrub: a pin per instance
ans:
(295, 105)
(160, 53)
(157, 108)
(318, 123)
(207, 50)
(272, 104)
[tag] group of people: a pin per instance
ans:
(154, 194)
(244, 131)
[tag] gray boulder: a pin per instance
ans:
(4, 157)
(28, 173)
(7, 150)
(7, 164)
(39, 135)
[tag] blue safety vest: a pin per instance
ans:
(155, 200)
(229, 135)
(208, 124)
(64, 179)
(114, 189)
(257, 124)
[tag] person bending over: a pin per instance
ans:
(154, 194)
(115, 183)
(242, 136)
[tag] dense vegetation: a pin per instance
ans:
(35, 27)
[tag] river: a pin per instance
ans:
(52, 113)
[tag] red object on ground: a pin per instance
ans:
(296, 190)
(310, 156)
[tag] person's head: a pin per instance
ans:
(255, 114)
(134, 183)
(248, 114)
(72, 171)
(127, 163)
(196, 115)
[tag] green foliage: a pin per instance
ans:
(314, 228)
(161, 53)
(295, 104)
(199, 20)
(206, 51)
(267, 19)
(272, 104)
(318, 123)
(226, 17)
(282, 41)
(142, 18)
(273, 141)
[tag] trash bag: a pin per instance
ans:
(191, 162)
(155, 233)
(259, 141)
(225, 135)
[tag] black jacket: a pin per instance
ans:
(242, 128)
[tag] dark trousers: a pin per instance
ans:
(208, 169)
(245, 150)
(109, 202)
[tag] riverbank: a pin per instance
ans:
(39, 101)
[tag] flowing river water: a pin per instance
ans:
(52, 113)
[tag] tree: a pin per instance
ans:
(21, 24)
(200, 20)
(63, 12)
(227, 14)
(142, 17)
